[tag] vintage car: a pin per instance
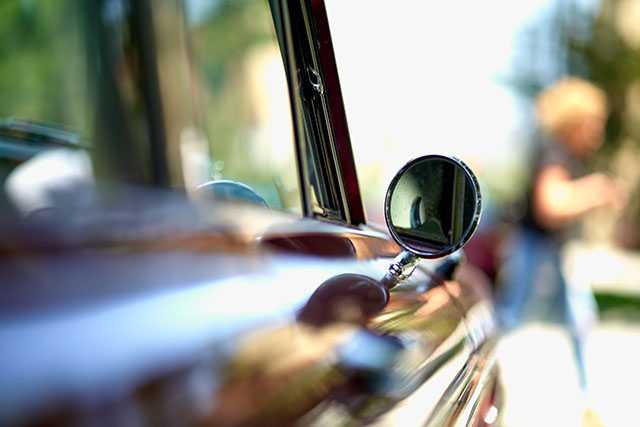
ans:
(183, 239)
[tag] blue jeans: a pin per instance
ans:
(533, 287)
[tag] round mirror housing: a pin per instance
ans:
(433, 206)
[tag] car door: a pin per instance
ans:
(205, 272)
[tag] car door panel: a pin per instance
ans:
(137, 299)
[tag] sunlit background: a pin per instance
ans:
(446, 78)
(459, 78)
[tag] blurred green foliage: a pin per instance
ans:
(224, 35)
(614, 65)
(614, 306)
(42, 62)
(593, 43)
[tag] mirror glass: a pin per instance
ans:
(433, 206)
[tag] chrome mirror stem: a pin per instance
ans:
(400, 269)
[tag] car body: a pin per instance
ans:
(137, 290)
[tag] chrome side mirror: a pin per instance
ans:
(432, 208)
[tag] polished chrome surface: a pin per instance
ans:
(202, 327)
(400, 269)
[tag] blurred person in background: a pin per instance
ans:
(571, 116)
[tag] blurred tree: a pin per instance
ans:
(42, 62)
(601, 43)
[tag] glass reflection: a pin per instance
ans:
(433, 205)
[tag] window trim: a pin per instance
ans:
(342, 140)
(319, 119)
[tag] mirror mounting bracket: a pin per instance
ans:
(400, 269)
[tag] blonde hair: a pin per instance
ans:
(567, 101)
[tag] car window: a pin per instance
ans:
(209, 108)
(243, 90)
